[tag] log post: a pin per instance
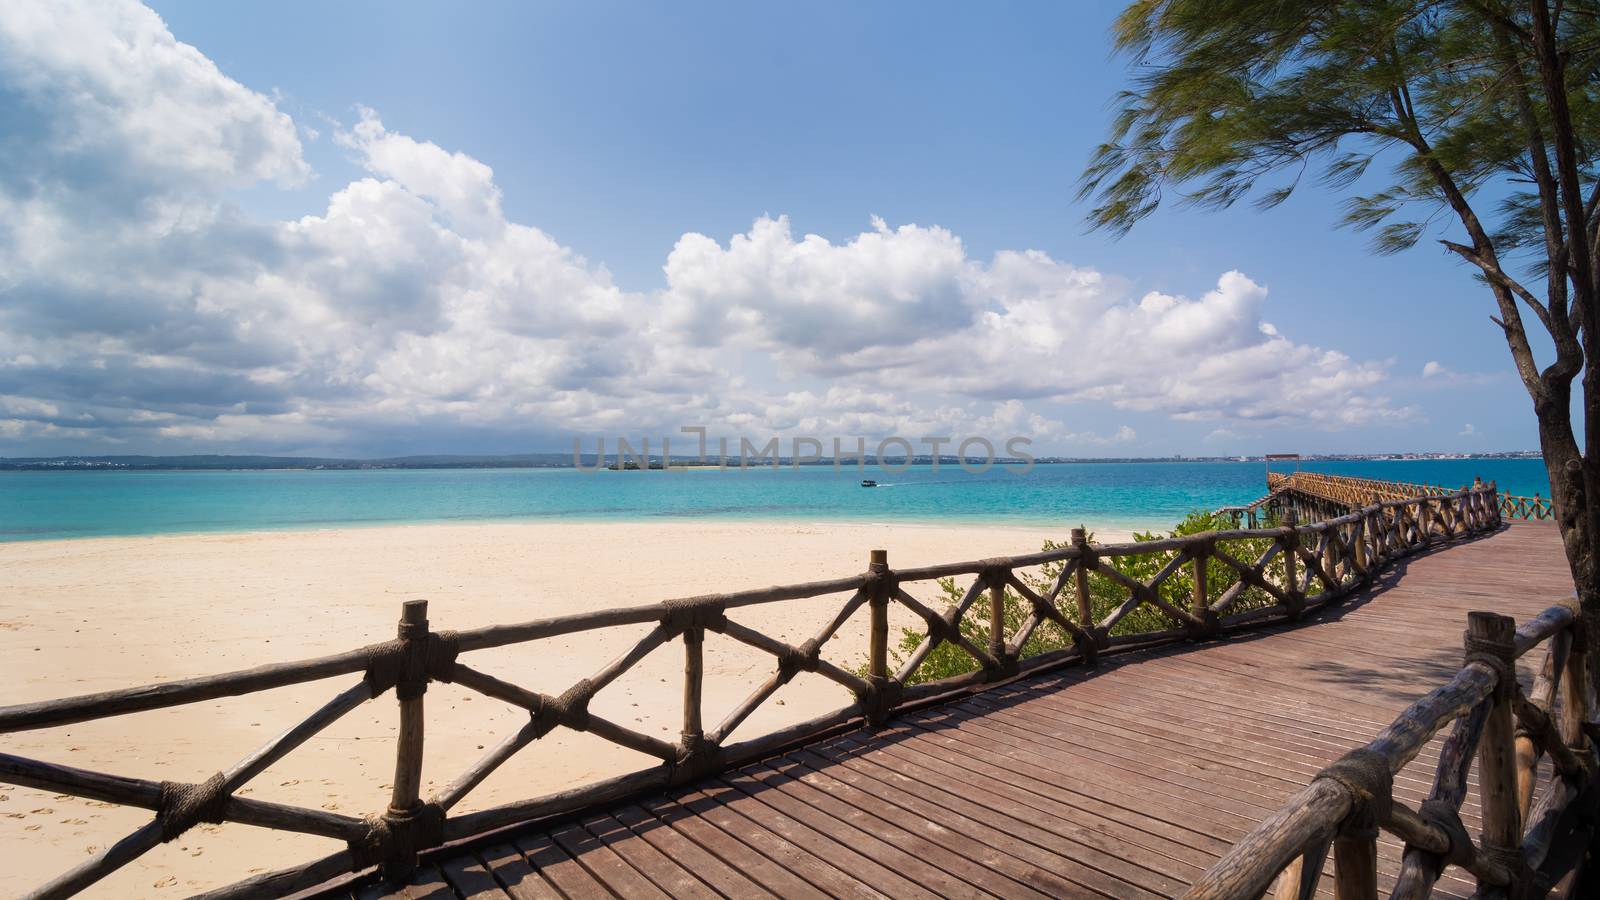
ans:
(693, 684)
(405, 803)
(1291, 578)
(997, 618)
(1331, 558)
(1080, 580)
(1298, 881)
(878, 583)
(878, 655)
(1491, 639)
(1575, 685)
(1544, 690)
(1200, 598)
(1358, 548)
(408, 752)
(1355, 866)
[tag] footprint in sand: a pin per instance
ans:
(44, 811)
(168, 881)
(292, 781)
(74, 821)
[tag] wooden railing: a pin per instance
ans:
(1535, 507)
(1250, 514)
(1271, 574)
(1526, 846)
(1352, 492)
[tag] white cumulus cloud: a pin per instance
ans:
(139, 306)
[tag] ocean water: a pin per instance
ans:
(49, 505)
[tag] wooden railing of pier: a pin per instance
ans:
(1250, 514)
(1347, 491)
(1273, 574)
(1525, 847)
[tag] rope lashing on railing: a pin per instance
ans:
(1043, 608)
(186, 804)
(685, 613)
(440, 656)
(1444, 815)
(882, 698)
(803, 658)
(385, 665)
(880, 584)
(945, 626)
(1365, 775)
(571, 708)
(408, 663)
(1508, 858)
(394, 839)
(1088, 560)
(1498, 655)
(1208, 626)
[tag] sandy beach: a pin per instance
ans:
(95, 614)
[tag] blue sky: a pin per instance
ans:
(614, 130)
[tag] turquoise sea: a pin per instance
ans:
(47, 505)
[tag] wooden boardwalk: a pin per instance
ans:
(1126, 779)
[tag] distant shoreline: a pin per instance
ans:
(244, 463)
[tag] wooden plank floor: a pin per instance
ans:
(1124, 780)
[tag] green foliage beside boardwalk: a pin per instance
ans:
(1105, 595)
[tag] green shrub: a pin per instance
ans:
(1105, 595)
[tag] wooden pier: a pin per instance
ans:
(1211, 715)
